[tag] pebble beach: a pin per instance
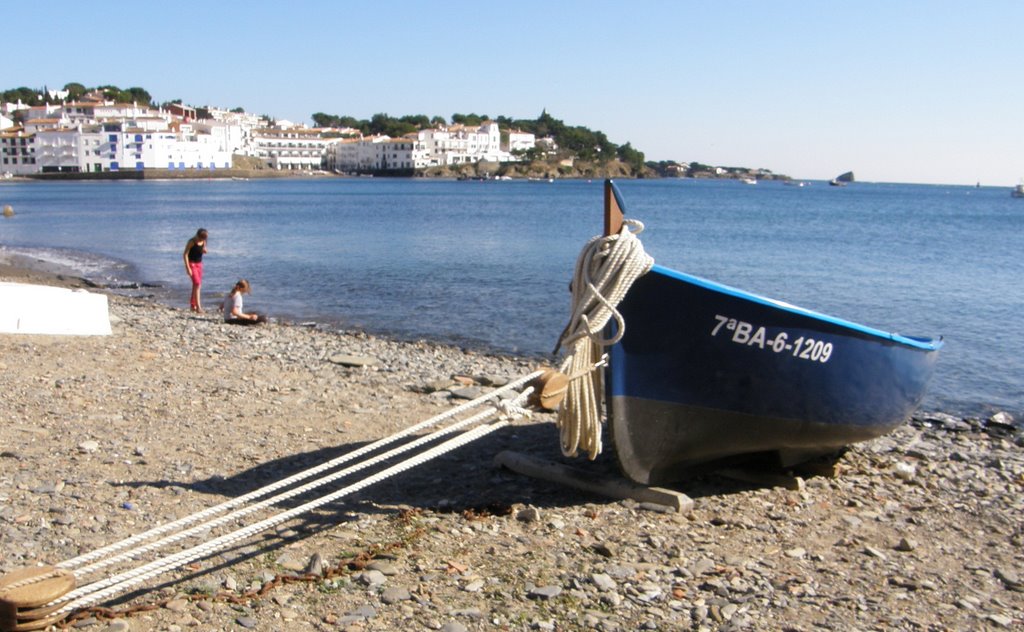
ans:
(107, 436)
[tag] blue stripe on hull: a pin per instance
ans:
(706, 371)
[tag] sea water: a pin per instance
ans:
(486, 265)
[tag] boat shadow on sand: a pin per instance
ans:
(465, 479)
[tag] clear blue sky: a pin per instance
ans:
(909, 91)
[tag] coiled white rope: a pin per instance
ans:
(605, 270)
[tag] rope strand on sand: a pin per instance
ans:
(605, 270)
(118, 584)
(169, 527)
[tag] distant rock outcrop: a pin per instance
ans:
(842, 179)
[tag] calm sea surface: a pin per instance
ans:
(487, 264)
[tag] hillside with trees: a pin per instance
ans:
(581, 152)
(75, 91)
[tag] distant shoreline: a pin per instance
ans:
(255, 174)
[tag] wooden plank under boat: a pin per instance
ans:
(707, 373)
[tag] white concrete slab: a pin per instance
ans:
(43, 309)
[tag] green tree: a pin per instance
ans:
(532, 154)
(586, 144)
(137, 95)
(351, 121)
(385, 124)
(632, 157)
(419, 121)
(26, 95)
(324, 120)
(111, 93)
(470, 120)
(547, 125)
(75, 91)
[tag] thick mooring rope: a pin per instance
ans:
(121, 583)
(605, 270)
(175, 525)
(500, 411)
(292, 493)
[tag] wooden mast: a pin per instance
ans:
(613, 214)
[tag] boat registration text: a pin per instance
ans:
(744, 333)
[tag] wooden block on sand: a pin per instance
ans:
(594, 483)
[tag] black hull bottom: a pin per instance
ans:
(674, 439)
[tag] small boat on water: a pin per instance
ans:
(708, 373)
(748, 180)
(1018, 191)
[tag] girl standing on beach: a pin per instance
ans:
(193, 256)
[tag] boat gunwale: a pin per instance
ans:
(925, 344)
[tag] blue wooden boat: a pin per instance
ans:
(706, 373)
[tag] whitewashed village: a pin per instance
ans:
(94, 135)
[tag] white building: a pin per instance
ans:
(10, 108)
(105, 147)
(342, 155)
(295, 149)
(228, 136)
(40, 123)
(437, 147)
(92, 111)
(241, 119)
(59, 149)
(374, 153)
(89, 112)
(395, 154)
(520, 141)
(17, 152)
(547, 143)
(459, 144)
(188, 151)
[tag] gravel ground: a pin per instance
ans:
(104, 437)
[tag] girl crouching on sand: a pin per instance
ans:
(233, 311)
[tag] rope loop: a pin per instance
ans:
(605, 270)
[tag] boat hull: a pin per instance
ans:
(705, 372)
